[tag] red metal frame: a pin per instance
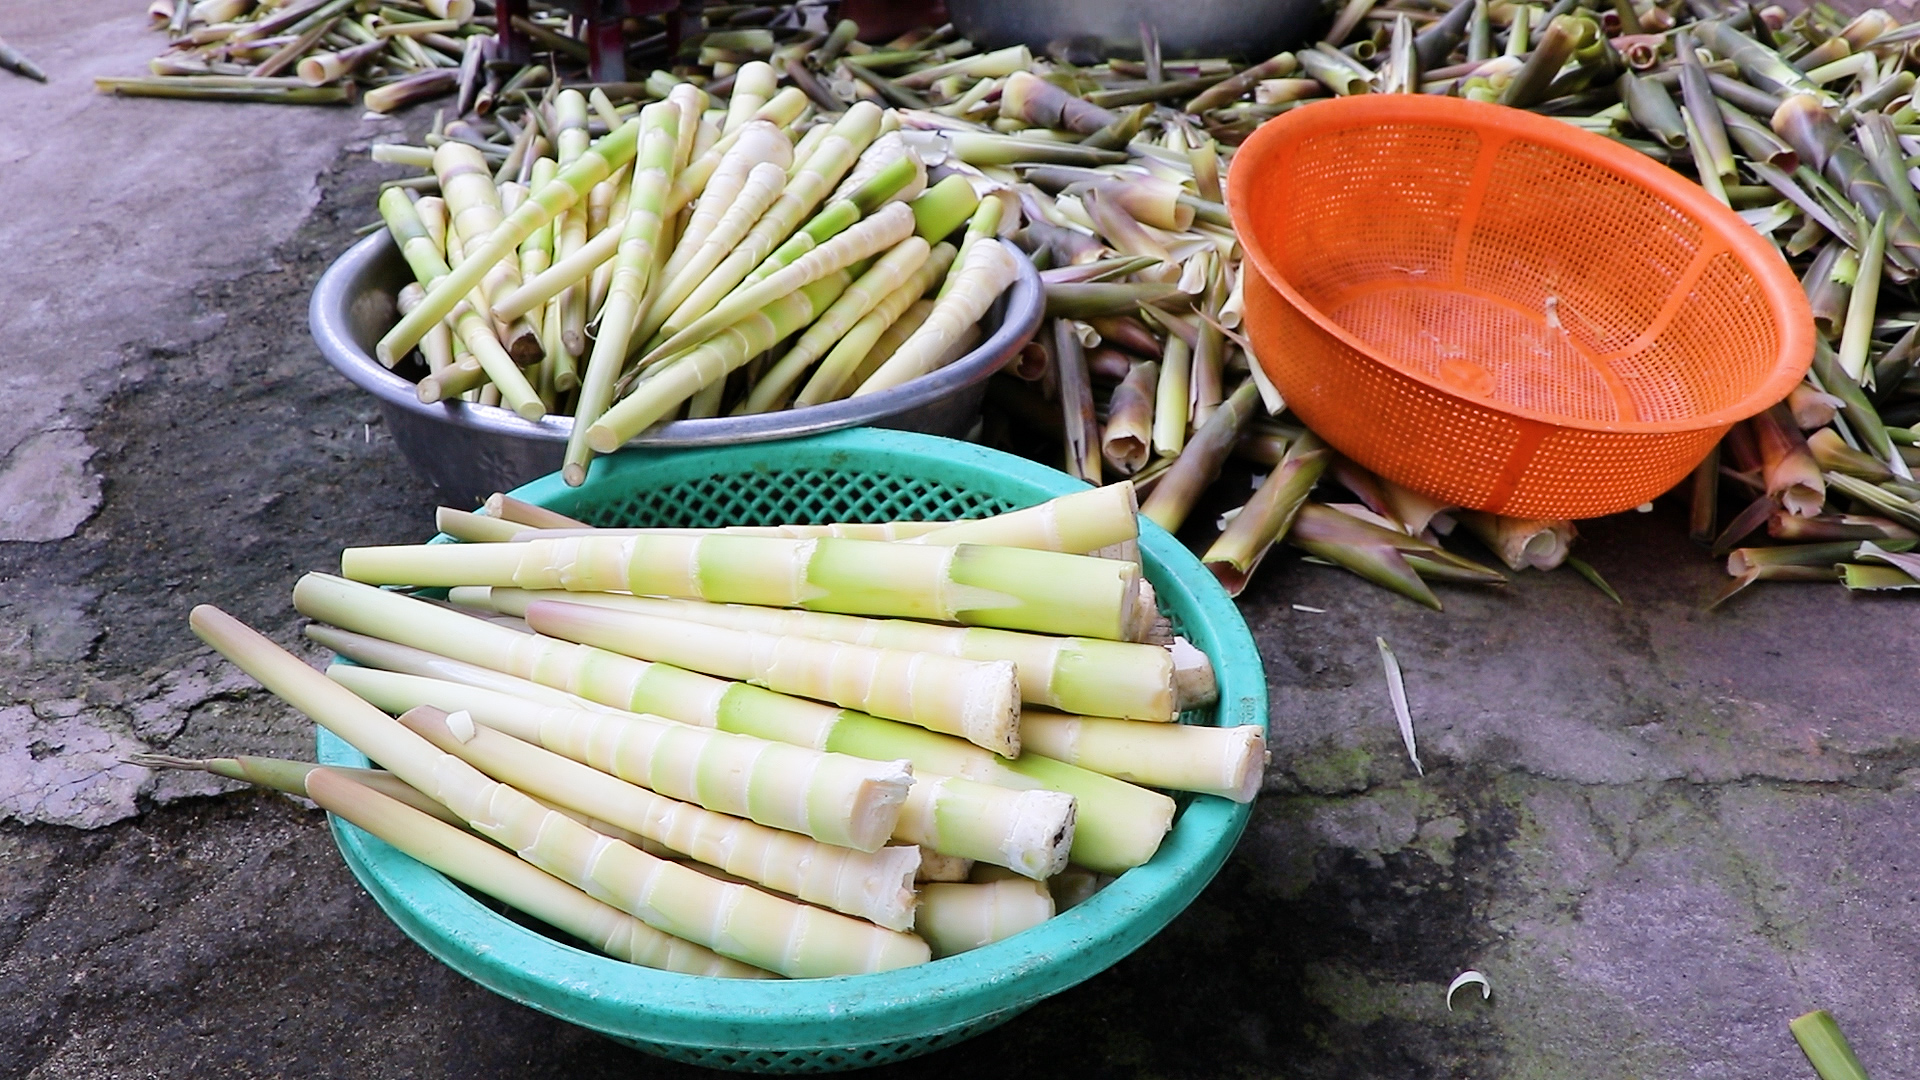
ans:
(606, 44)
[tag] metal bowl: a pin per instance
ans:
(469, 451)
(1252, 29)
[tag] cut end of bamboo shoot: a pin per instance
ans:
(1246, 759)
(1142, 619)
(508, 508)
(990, 711)
(874, 805)
(1194, 685)
(474, 528)
(937, 867)
(1042, 834)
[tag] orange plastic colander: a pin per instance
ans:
(1501, 310)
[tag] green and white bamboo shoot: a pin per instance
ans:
(1087, 676)
(474, 862)
(839, 799)
(881, 230)
(532, 516)
(607, 206)
(1029, 830)
(757, 143)
(982, 224)
(989, 65)
(943, 208)
(734, 920)
(474, 528)
(437, 347)
(492, 238)
(852, 530)
(536, 254)
(657, 395)
(1118, 824)
(875, 886)
(804, 149)
(833, 378)
(977, 700)
(1089, 522)
(989, 269)
(291, 777)
(803, 192)
(474, 330)
(695, 258)
(1229, 762)
(957, 917)
(972, 584)
(885, 152)
(782, 109)
(861, 297)
(753, 84)
(641, 235)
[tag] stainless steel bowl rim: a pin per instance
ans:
(332, 297)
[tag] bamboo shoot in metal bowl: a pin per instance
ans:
(468, 451)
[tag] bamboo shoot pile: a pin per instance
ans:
(826, 241)
(673, 256)
(314, 52)
(1112, 180)
(665, 773)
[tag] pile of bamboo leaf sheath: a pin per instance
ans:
(1803, 124)
(678, 757)
(1096, 220)
(386, 54)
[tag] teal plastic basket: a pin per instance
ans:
(825, 1025)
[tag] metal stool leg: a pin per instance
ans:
(513, 44)
(606, 42)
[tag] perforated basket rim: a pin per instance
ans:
(849, 1014)
(1786, 301)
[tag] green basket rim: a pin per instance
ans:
(897, 1007)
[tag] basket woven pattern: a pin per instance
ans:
(1502, 311)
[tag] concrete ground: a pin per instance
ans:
(1661, 834)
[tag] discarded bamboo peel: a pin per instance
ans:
(238, 52)
(1839, 118)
